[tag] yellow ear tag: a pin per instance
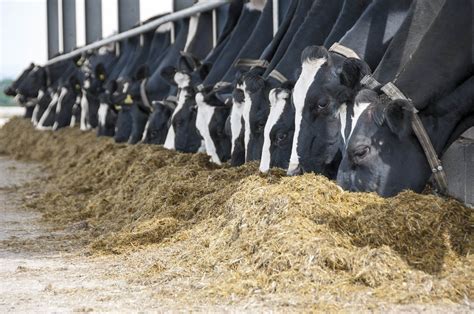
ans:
(101, 77)
(78, 87)
(117, 107)
(128, 100)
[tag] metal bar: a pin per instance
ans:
(128, 14)
(69, 25)
(197, 8)
(53, 27)
(93, 20)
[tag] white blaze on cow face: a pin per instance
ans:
(203, 119)
(236, 119)
(42, 121)
(277, 105)
(145, 131)
(84, 123)
(308, 72)
(359, 108)
(74, 108)
(182, 80)
(246, 115)
(343, 118)
(102, 114)
(34, 117)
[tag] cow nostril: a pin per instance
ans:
(294, 170)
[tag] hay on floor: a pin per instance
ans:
(250, 234)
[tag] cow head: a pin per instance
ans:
(382, 154)
(327, 81)
(183, 134)
(255, 112)
(157, 125)
(35, 80)
(11, 90)
(69, 97)
(235, 125)
(279, 129)
(212, 114)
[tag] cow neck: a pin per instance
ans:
(371, 34)
(237, 40)
(432, 54)
(199, 41)
(284, 26)
(407, 39)
(260, 37)
(156, 87)
(350, 13)
(302, 8)
(314, 30)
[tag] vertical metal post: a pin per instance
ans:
(93, 20)
(276, 17)
(128, 14)
(69, 25)
(53, 27)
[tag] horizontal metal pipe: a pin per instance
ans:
(197, 8)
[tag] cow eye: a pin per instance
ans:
(260, 127)
(281, 137)
(323, 104)
(361, 152)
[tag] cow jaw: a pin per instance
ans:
(309, 70)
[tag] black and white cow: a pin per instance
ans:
(329, 79)
(383, 154)
(317, 25)
(235, 121)
(382, 129)
(96, 70)
(11, 90)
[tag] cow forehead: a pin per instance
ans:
(309, 70)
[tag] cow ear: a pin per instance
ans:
(142, 72)
(168, 74)
(398, 115)
(353, 70)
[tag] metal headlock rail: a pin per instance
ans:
(195, 9)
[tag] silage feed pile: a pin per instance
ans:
(248, 234)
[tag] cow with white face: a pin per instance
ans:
(279, 129)
(212, 115)
(383, 154)
(327, 85)
(235, 126)
(182, 133)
